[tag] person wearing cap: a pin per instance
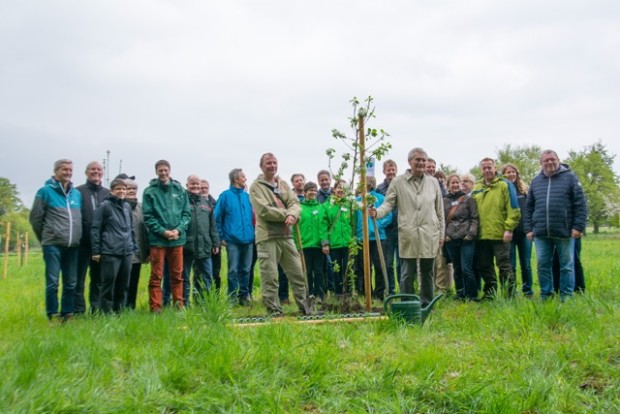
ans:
(113, 244)
(165, 206)
(56, 220)
(93, 193)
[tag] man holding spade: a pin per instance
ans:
(277, 210)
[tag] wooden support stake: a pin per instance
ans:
(6, 249)
(365, 239)
(18, 250)
(26, 247)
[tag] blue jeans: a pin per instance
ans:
(461, 253)
(524, 246)
(544, 255)
(60, 260)
(203, 275)
(239, 263)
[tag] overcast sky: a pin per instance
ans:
(211, 85)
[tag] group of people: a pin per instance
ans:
(437, 231)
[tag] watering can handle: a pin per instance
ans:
(398, 296)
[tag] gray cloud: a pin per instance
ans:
(212, 85)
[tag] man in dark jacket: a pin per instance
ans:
(202, 241)
(555, 215)
(165, 207)
(93, 194)
(56, 221)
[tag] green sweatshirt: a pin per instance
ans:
(338, 217)
(312, 224)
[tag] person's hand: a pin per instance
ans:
(372, 211)
(576, 234)
(96, 258)
(290, 220)
(223, 243)
(216, 250)
(507, 236)
(530, 235)
(325, 250)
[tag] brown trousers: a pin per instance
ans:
(174, 257)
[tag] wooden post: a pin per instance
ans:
(365, 239)
(26, 249)
(18, 248)
(6, 249)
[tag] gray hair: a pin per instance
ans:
(90, 164)
(234, 174)
(416, 150)
(61, 162)
(548, 151)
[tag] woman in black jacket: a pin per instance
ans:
(461, 216)
(113, 244)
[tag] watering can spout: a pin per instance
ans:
(429, 307)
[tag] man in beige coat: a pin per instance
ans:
(420, 223)
(277, 210)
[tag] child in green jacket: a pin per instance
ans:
(313, 231)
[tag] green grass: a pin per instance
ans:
(502, 357)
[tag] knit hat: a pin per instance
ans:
(123, 176)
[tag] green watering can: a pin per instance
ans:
(409, 311)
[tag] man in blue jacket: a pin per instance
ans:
(555, 215)
(57, 222)
(233, 215)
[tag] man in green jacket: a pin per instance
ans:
(277, 210)
(165, 206)
(498, 210)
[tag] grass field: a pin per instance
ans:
(517, 356)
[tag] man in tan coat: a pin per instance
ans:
(420, 223)
(277, 210)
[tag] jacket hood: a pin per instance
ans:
(563, 168)
(93, 187)
(55, 184)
